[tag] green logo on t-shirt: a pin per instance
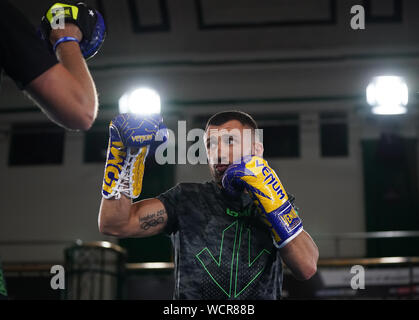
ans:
(240, 275)
(245, 213)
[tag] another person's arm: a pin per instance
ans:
(60, 85)
(66, 92)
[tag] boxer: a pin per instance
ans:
(230, 235)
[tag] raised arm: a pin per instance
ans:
(120, 218)
(297, 249)
(131, 139)
(66, 92)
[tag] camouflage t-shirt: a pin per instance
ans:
(222, 248)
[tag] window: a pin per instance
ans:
(333, 134)
(36, 144)
(281, 135)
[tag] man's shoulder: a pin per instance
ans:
(189, 189)
(184, 194)
(195, 186)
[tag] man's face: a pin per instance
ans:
(228, 143)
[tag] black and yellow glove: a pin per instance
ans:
(88, 19)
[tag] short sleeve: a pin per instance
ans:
(171, 200)
(24, 56)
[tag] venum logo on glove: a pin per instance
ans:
(142, 138)
(274, 181)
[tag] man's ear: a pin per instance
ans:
(258, 149)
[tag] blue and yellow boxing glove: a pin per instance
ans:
(88, 19)
(130, 139)
(254, 174)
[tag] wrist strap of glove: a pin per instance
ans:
(63, 39)
(286, 223)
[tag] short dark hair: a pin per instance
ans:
(225, 116)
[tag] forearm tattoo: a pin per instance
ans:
(152, 219)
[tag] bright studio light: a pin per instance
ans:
(141, 101)
(388, 95)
